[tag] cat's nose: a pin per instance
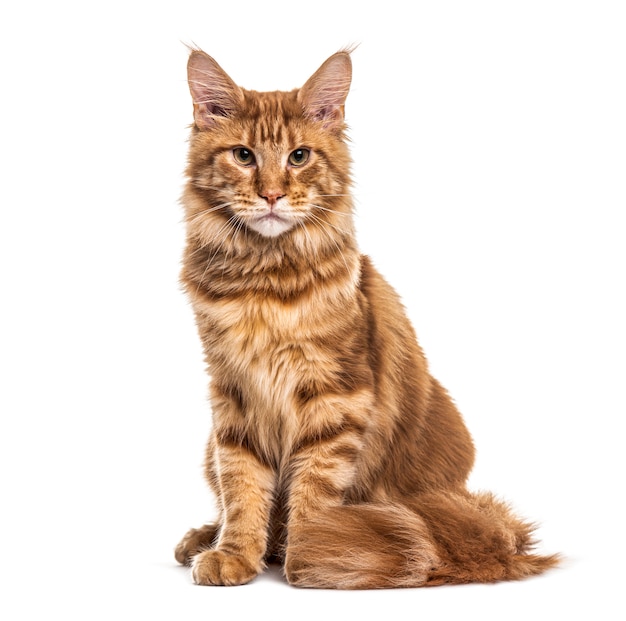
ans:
(271, 196)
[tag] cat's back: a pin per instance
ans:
(391, 333)
(417, 422)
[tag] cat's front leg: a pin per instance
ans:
(246, 489)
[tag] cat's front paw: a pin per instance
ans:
(214, 567)
(195, 541)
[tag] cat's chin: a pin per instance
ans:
(270, 225)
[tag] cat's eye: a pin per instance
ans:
(299, 157)
(243, 156)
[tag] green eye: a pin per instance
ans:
(243, 156)
(299, 157)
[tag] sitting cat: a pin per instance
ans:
(333, 450)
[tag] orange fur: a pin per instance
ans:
(333, 449)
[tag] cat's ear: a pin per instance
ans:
(214, 94)
(324, 95)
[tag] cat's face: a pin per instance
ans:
(270, 196)
(269, 163)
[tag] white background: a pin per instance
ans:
(489, 141)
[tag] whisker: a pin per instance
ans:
(237, 231)
(218, 188)
(204, 212)
(220, 241)
(313, 247)
(340, 230)
(322, 208)
(321, 224)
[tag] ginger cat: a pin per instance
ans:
(333, 450)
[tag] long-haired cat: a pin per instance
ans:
(333, 450)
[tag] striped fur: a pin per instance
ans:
(333, 450)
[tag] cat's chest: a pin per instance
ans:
(268, 352)
(267, 348)
(250, 327)
(272, 354)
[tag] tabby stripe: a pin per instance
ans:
(233, 439)
(329, 435)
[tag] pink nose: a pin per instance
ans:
(272, 196)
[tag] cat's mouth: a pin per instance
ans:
(271, 224)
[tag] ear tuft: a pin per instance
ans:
(214, 94)
(323, 97)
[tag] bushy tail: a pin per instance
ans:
(479, 539)
(438, 538)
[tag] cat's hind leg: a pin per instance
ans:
(195, 541)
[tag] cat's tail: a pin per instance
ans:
(439, 538)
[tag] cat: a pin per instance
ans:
(333, 451)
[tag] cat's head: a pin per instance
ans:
(268, 164)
